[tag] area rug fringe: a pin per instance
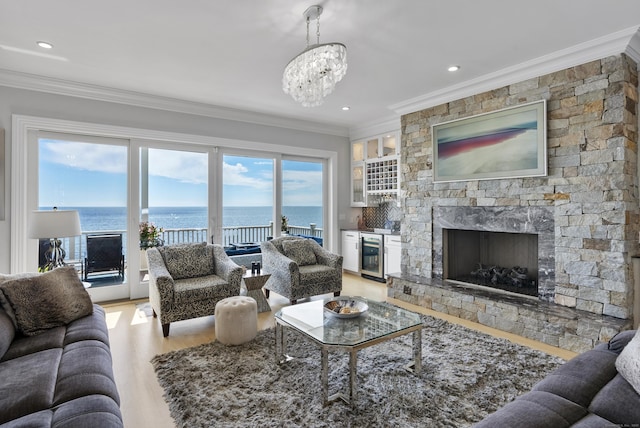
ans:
(466, 375)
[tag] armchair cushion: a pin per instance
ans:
(300, 251)
(188, 261)
(200, 288)
(48, 300)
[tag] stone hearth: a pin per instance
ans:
(546, 322)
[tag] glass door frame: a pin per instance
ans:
(140, 289)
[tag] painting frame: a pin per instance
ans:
(506, 143)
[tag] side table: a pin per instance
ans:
(254, 284)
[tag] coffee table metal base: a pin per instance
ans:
(349, 398)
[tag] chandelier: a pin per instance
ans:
(314, 73)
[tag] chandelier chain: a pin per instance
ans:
(318, 30)
(307, 32)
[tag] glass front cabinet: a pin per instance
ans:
(358, 198)
(374, 168)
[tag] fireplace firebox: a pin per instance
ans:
(500, 260)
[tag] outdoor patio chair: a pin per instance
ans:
(300, 268)
(104, 254)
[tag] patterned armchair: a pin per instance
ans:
(186, 281)
(300, 268)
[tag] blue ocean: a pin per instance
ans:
(115, 218)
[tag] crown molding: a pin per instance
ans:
(623, 41)
(51, 85)
(633, 48)
(381, 126)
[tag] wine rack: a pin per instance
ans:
(382, 176)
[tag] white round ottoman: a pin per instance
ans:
(236, 320)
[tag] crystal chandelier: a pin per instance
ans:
(314, 73)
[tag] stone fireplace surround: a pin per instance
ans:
(533, 220)
(589, 197)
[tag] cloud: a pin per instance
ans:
(238, 175)
(186, 167)
(85, 156)
(302, 187)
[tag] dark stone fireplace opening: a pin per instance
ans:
(500, 260)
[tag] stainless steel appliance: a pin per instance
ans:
(372, 256)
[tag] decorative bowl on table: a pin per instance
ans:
(345, 307)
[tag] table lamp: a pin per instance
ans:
(52, 225)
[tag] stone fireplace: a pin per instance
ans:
(584, 212)
(505, 237)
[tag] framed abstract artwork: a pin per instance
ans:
(507, 143)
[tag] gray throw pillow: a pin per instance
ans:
(188, 260)
(48, 300)
(3, 302)
(628, 362)
(300, 251)
(7, 332)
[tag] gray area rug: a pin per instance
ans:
(465, 376)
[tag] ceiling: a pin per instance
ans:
(231, 53)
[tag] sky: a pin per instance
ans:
(74, 174)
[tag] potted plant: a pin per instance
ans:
(284, 226)
(149, 237)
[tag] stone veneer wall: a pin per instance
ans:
(592, 183)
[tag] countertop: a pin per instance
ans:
(370, 231)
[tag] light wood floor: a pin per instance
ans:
(136, 338)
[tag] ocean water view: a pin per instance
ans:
(115, 218)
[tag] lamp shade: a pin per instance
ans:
(54, 224)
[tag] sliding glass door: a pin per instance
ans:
(303, 197)
(118, 177)
(89, 175)
(173, 198)
(247, 207)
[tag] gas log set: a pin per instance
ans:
(514, 279)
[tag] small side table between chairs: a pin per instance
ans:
(254, 283)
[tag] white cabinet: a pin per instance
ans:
(392, 254)
(351, 251)
(375, 168)
(382, 146)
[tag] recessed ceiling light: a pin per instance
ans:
(345, 108)
(45, 45)
(454, 68)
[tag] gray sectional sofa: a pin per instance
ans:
(586, 392)
(58, 371)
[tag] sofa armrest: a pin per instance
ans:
(273, 260)
(226, 268)
(620, 340)
(284, 271)
(159, 276)
(326, 257)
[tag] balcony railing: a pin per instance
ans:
(76, 246)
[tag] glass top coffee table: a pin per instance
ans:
(380, 323)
